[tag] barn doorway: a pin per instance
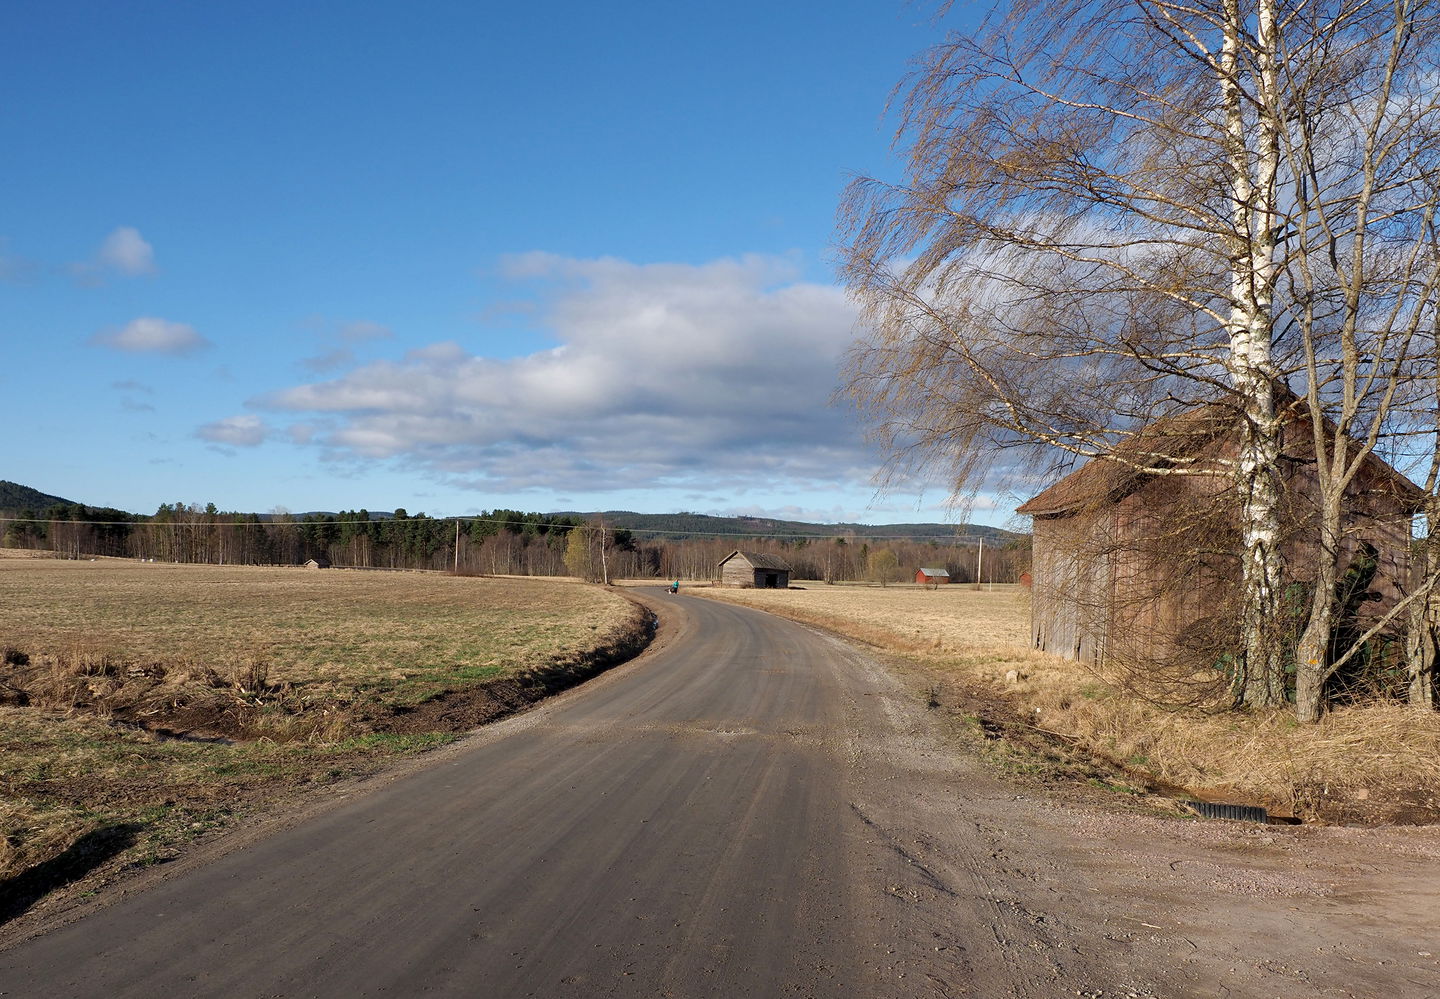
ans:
(770, 581)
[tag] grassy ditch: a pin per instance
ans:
(1371, 764)
(144, 705)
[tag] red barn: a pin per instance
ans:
(930, 577)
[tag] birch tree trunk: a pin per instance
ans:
(1312, 652)
(1422, 635)
(1422, 639)
(1252, 297)
(1422, 628)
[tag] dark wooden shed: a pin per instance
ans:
(755, 569)
(1135, 564)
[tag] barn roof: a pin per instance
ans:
(759, 560)
(1164, 444)
(935, 572)
(1159, 445)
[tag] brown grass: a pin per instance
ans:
(96, 652)
(1370, 763)
(402, 635)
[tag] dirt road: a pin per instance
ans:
(753, 809)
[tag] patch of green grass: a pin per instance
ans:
(1010, 758)
(391, 742)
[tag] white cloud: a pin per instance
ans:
(238, 431)
(150, 335)
(126, 252)
(665, 374)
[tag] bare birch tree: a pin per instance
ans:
(1360, 270)
(1422, 626)
(1115, 211)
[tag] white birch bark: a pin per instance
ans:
(1253, 172)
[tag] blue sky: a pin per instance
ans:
(445, 256)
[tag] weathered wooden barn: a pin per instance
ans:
(931, 577)
(318, 562)
(1135, 564)
(755, 569)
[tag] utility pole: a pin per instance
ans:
(979, 561)
(457, 546)
(604, 566)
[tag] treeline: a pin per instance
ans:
(70, 529)
(500, 542)
(524, 543)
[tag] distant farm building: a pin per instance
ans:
(755, 569)
(932, 577)
(1135, 564)
(318, 562)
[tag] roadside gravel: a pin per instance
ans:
(1039, 891)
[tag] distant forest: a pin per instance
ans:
(503, 542)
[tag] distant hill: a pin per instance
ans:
(673, 526)
(698, 525)
(14, 497)
(320, 514)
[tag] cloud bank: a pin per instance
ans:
(663, 375)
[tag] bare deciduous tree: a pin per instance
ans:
(883, 566)
(1116, 212)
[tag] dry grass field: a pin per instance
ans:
(142, 705)
(1362, 764)
(397, 636)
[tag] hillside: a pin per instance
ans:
(15, 497)
(678, 526)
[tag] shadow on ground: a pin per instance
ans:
(88, 852)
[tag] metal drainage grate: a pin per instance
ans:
(1240, 813)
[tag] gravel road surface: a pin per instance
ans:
(752, 809)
